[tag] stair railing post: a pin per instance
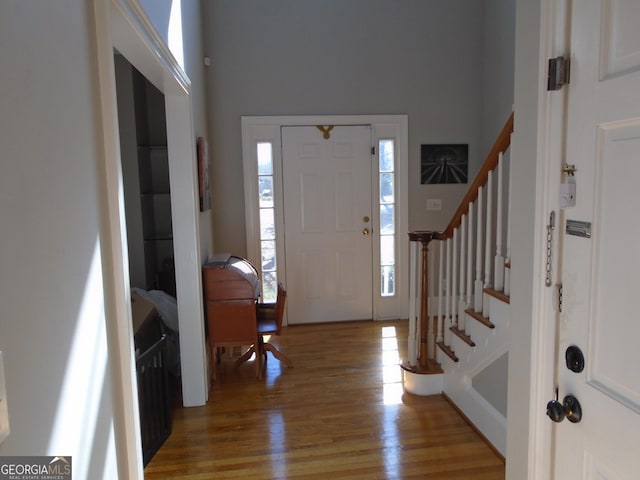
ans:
(423, 356)
(412, 353)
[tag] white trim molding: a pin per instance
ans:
(384, 127)
(122, 26)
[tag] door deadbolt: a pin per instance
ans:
(570, 409)
(574, 359)
(365, 219)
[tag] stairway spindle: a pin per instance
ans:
(477, 292)
(488, 240)
(498, 270)
(462, 318)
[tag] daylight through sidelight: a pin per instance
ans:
(267, 222)
(387, 200)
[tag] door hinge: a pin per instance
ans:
(373, 150)
(559, 297)
(559, 73)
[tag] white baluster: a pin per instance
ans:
(488, 250)
(477, 291)
(498, 270)
(440, 336)
(454, 280)
(507, 260)
(462, 318)
(412, 353)
(430, 324)
(469, 299)
(447, 310)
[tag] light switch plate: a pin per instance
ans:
(434, 204)
(4, 411)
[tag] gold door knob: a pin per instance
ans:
(365, 232)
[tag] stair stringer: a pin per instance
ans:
(491, 344)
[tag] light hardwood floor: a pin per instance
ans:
(339, 413)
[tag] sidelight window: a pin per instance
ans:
(267, 222)
(387, 202)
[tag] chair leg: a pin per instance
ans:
(245, 356)
(277, 353)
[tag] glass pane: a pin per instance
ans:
(265, 162)
(268, 249)
(387, 253)
(386, 188)
(387, 276)
(386, 219)
(265, 187)
(386, 155)
(267, 224)
(269, 286)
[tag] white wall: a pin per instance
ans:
(526, 231)
(52, 331)
(419, 57)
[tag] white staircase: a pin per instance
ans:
(459, 312)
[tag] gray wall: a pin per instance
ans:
(423, 58)
(491, 383)
(498, 66)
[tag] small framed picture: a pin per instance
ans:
(445, 163)
(203, 175)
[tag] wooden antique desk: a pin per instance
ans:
(231, 288)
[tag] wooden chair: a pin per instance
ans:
(269, 319)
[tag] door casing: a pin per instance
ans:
(267, 129)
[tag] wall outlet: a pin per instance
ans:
(434, 204)
(4, 411)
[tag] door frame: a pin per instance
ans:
(122, 25)
(538, 141)
(268, 129)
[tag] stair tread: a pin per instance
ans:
(478, 316)
(498, 294)
(463, 336)
(448, 351)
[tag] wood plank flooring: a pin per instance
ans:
(339, 413)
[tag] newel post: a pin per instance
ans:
(424, 237)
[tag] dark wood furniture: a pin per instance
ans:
(269, 317)
(231, 289)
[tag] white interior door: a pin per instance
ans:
(327, 210)
(601, 274)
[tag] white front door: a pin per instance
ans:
(601, 274)
(327, 211)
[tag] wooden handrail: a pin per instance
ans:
(502, 143)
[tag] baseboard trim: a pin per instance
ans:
(475, 429)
